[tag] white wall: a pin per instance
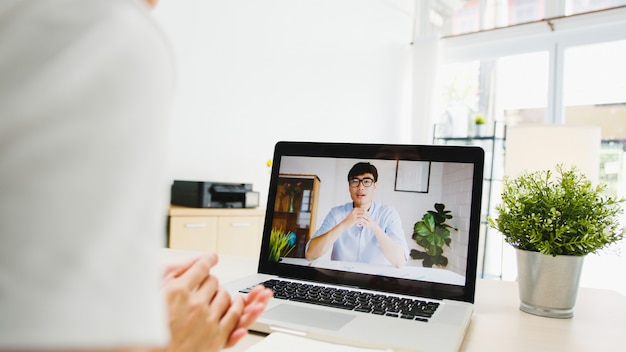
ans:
(255, 72)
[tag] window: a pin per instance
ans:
(573, 7)
(570, 72)
(462, 17)
(594, 93)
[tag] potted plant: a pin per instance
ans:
(479, 119)
(292, 190)
(479, 125)
(281, 244)
(553, 222)
(432, 233)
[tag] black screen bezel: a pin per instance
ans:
(435, 153)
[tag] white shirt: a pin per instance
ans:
(85, 89)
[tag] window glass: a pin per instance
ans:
(509, 89)
(588, 87)
(573, 7)
(521, 89)
(519, 11)
(513, 89)
(594, 93)
(465, 20)
(460, 95)
(460, 17)
(466, 16)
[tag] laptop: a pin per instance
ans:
(425, 302)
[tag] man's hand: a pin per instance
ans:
(361, 218)
(392, 250)
(358, 217)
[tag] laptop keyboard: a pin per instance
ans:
(380, 304)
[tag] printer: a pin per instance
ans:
(201, 194)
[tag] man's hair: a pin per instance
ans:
(363, 168)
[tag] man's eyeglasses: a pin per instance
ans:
(367, 182)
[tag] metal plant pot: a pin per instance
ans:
(548, 285)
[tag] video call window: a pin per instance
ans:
(309, 188)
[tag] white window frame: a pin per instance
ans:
(554, 36)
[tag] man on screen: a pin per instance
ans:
(361, 230)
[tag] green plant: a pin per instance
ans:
(479, 120)
(562, 216)
(281, 244)
(432, 233)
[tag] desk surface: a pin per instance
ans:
(598, 324)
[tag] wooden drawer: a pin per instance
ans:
(198, 233)
(225, 231)
(239, 235)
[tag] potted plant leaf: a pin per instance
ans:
(432, 233)
(281, 244)
(479, 125)
(553, 221)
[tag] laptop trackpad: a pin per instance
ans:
(316, 318)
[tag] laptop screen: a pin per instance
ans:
(393, 218)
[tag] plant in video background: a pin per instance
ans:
(433, 233)
(281, 244)
(293, 189)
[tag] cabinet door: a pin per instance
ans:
(198, 233)
(240, 235)
(295, 208)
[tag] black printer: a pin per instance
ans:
(200, 194)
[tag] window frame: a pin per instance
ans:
(554, 36)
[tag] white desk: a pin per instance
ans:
(599, 321)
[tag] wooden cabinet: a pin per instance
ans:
(225, 231)
(197, 233)
(295, 208)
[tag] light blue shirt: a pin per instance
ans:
(359, 244)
